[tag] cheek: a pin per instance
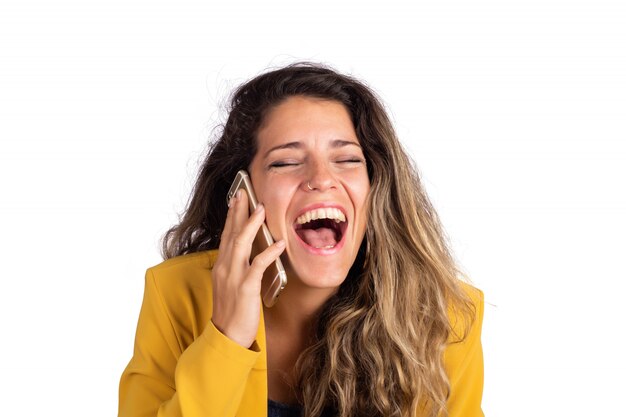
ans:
(363, 201)
(361, 190)
(271, 194)
(276, 198)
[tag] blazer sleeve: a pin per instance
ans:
(464, 362)
(163, 379)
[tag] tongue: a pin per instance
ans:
(318, 238)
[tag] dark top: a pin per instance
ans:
(275, 409)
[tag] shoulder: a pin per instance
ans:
(204, 259)
(466, 322)
(463, 356)
(186, 270)
(475, 295)
(180, 287)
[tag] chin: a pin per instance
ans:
(323, 277)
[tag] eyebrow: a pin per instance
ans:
(336, 143)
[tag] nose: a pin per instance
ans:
(319, 178)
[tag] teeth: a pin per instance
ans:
(322, 213)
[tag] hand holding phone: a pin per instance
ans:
(237, 276)
(274, 277)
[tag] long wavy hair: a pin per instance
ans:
(379, 341)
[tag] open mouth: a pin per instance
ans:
(321, 229)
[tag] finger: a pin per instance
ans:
(242, 241)
(241, 218)
(241, 212)
(263, 260)
(228, 224)
(242, 234)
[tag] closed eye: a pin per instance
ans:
(343, 161)
(283, 164)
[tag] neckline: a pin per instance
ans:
(283, 405)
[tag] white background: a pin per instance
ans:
(514, 112)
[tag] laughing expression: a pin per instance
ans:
(310, 173)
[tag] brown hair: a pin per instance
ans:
(393, 307)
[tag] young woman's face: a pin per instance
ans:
(310, 173)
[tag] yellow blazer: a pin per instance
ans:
(183, 366)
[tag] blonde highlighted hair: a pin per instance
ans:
(379, 343)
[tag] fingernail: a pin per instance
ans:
(238, 194)
(280, 243)
(259, 207)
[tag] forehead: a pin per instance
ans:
(306, 120)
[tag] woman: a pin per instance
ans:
(373, 320)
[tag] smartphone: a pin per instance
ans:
(274, 277)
